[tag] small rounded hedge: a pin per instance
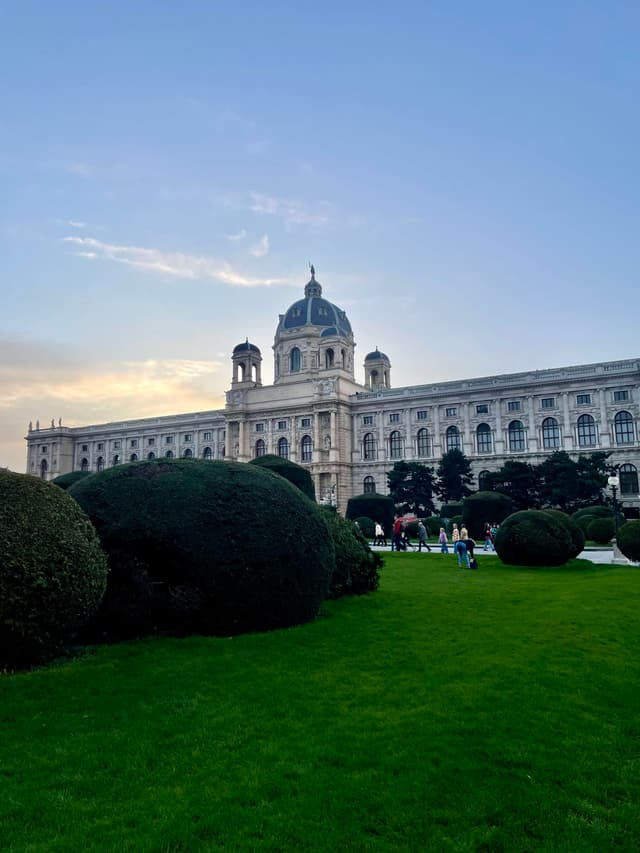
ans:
(601, 530)
(482, 508)
(53, 572)
(357, 566)
(295, 474)
(533, 538)
(206, 547)
(575, 531)
(377, 507)
(628, 540)
(65, 481)
(597, 511)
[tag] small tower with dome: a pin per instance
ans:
(377, 371)
(247, 364)
(313, 338)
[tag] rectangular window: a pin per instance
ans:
(207, 436)
(482, 409)
(367, 420)
(151, 442)
(619, 396)
(186, 437)
(451, 412)
(85, 448)
(305, 423)
(548, 402)
(116, 444)
(583, 400)
(394, 418)
(100, 446)
(133, 442)
(282, 424)
(422, 415)
(259, 427)
(513, 406)
(168, 439)
(44, 448)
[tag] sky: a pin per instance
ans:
(464, 176)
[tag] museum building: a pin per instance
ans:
(350, 434)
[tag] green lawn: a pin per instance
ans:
(495, 710)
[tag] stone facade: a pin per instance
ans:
(349, 435)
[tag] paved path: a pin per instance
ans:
(602, 556)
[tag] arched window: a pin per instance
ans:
(586, 431)
(241, 371)
(188, 453)
(151, 455)
(623, 423)
(306, 448)
(99, 464)
(453, 438)
(44, 467)
(628, 479)
(169, 454)
(84, 465)
(343, 354)
(261, 447)
(328, 358)
(133, 457)
(207, 453)
(116, 460)
(294, 360)
(483, 438)
(483, 481)
(423, 445)
(369, 485)
(395, 445)
(283, 448)
(369, 446)
(550, 434)
(516, 436)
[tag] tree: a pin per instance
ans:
(520, 481)
(454, 476)
(592, 474)
(559, 481)
(411, 488)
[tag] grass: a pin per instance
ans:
(494, 710)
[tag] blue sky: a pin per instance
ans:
(464, 177)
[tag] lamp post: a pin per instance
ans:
(613, 482)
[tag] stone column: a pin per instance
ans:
(467, 441)
(382, 450)
(567, 432)
(437, 438)
(499, 437)
(532, 435)
(606, 439)
(335, 450)
(409, 449)
(316, 436)
(241, 447)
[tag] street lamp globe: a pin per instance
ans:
(613, 481)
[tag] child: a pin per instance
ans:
(442, 539)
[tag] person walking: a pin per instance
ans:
(380, 538)
(488, 538)
(455, 535)
(397, 534)
(422, 537)
(442, 539)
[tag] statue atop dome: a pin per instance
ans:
(313, 287)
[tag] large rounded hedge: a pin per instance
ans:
(367, 526)
(597, 511)
(628, 540)
(52, 570)
(601, 530)
(379, 508)
(484, 508)
(575, 531)
(209, 547)
(533, 538)
(357, 566)
(65, 481)
(295, 474)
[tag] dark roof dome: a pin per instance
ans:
(375, 355)
(246, 347)
(313, 310)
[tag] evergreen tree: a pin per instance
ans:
(520, 481)
(411, 488)
(454, 476)
(592, 472)
(559, 481)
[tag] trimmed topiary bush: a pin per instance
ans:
(209, 547)
(457, 519)
(484, 508)
(597, 511)
(367, 526)
(533, 538)
(65, 481)
(575, 531)
(628, 540)
(52, 570)
(357, 566)
(295, 474)
(451, 510)
(601, 530)
(433, 525)
(376, 507)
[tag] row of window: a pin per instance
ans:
(512, 406)
(586, 431)
(207, 453)
(329, 357)
(628, 481)
(117, 443)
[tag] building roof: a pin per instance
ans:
(245, 346)
(375, 355)
(313, 310)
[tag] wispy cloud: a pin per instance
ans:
(292, 211)
(176, 264)
(75, 224)
(261, 248)
(239, 236)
